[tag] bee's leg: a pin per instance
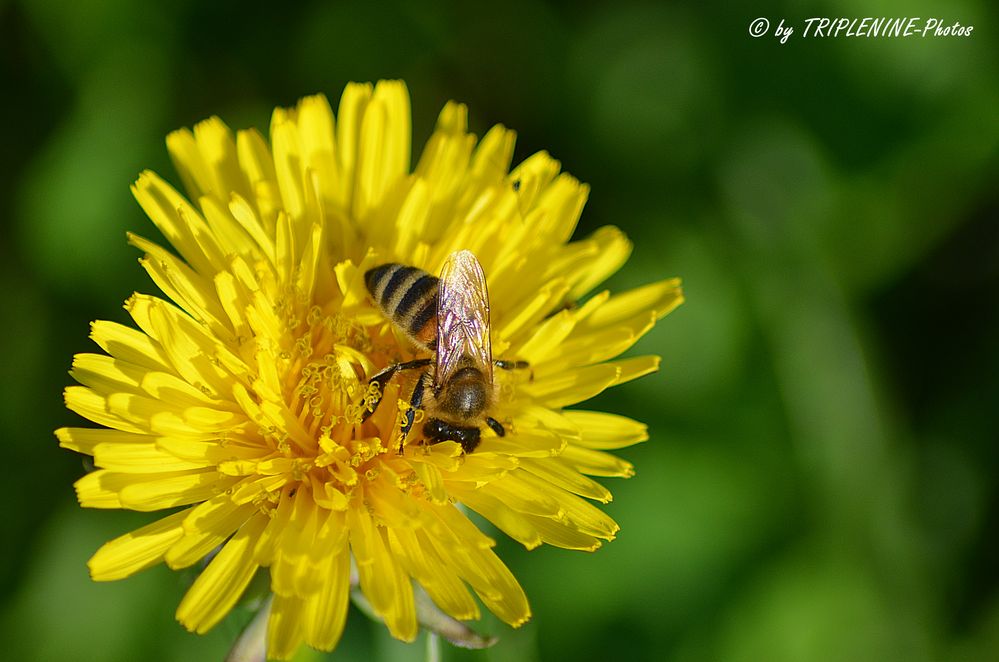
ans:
(414, 403)
(468, 438)
(385, 376)
(514, 365)
(496, 426)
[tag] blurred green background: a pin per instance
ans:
(821, 482)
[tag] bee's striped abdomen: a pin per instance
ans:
(408, 297)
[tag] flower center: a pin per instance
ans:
(325, 391)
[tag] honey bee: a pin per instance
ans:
(449, 317)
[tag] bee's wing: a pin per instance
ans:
(462, 317)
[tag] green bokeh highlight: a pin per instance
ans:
(821, 479)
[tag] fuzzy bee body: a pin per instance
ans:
(448, 316)
(408, 297)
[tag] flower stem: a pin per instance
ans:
(433, 647)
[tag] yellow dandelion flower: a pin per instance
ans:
(242, 400)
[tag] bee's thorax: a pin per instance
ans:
(465, 396)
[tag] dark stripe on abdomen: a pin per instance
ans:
(416, 296)
(394, 283)
(423, 325)
(374, 277)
